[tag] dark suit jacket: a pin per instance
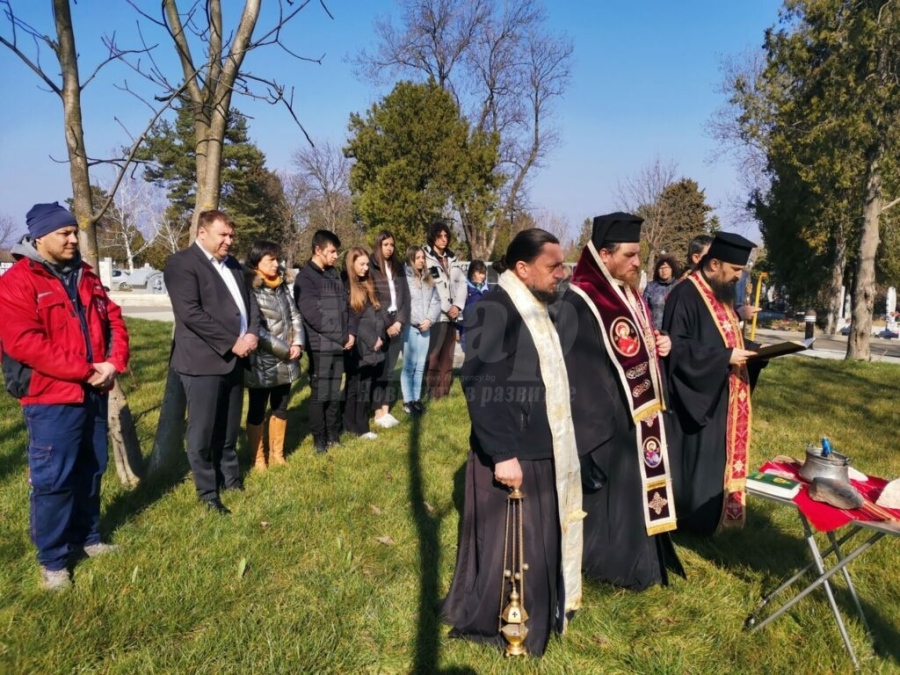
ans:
(207, 320)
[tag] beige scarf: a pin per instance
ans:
(559, 413)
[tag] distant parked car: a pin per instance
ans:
(146, 278)
(885, 333)
(120, 280)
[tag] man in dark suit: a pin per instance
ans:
(216, 328)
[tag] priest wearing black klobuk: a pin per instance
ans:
(517, 392)
(612, 357)
(709, 390)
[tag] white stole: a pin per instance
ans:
(559, 414)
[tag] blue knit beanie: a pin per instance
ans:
(46, 218)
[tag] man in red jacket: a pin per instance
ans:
(63, 343)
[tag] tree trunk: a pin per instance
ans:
(74, 132)
(210, 138)
(124, 439)
(837, 283)
(478, 238)
(210, 107)
(479, 248)
(121, 424)
(864, 285)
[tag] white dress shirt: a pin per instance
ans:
(230, 282)
(390, 280)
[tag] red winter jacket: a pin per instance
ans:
(44, 352)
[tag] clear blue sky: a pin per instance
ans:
(644, 84)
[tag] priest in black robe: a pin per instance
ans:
(517, 392)
(611, 351)
(709, 391)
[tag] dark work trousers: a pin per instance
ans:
(439, 372)
(214, 421)
(67, 455)
(325, 372)
(358, 397)
(382, 389)
(278, 396)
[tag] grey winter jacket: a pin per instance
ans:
(451, 288)
(424, 301)
(280, 327)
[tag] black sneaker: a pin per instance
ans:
(418, 407)
(409, 408)
(320, 444)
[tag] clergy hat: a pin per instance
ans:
(731, 248)
(616, 228)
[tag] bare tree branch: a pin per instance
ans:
(183, 49)
(115, 54)
(129, 157)
(504, 69)
(35, 66)
(8, 229)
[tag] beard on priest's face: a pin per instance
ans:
(723, 290)
(633, 280)
(546, 296)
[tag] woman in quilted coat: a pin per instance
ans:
(275, 363)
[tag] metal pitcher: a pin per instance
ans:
(834, 465)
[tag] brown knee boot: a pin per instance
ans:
(277, 428)
(255, 443)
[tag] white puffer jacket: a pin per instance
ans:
(451, 287)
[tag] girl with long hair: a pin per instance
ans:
(393, 295)
(275, 364)
(366, 327)
(424, 311)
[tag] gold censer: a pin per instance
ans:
(513, 615)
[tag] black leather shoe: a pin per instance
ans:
(215, 504)
(237, 487)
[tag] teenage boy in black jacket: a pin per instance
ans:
(320, 297)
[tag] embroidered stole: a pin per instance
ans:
(737, 434)
(627, 334)
(559, 414)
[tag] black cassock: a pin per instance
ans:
(617, 548)
(697, 372)
(502, 381)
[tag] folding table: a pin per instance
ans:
(827, 519)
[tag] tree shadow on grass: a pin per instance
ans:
(427, 645)
(163, 479)
(126, 505)
(761, 546)
(297, 427)
(885, 634)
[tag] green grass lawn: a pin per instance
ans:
(335, 564)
